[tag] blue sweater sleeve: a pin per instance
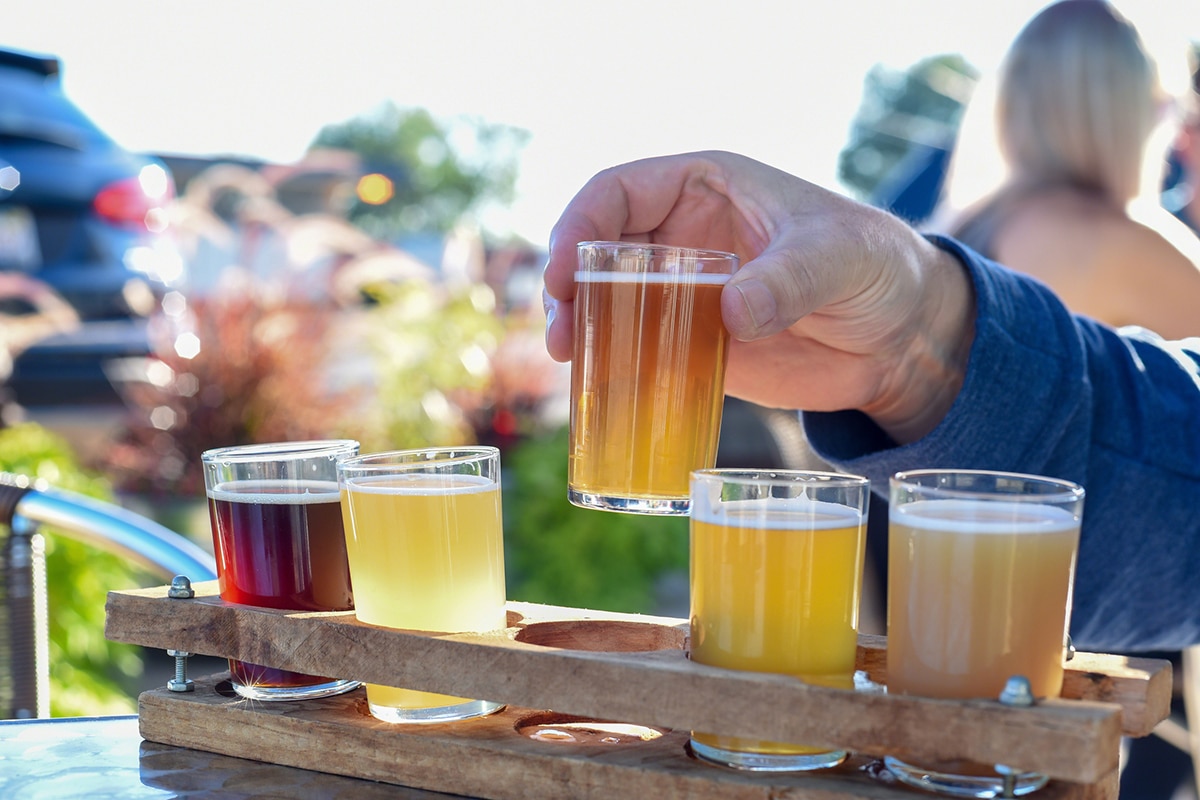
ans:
(1050, 393)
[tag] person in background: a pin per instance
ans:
(904, 351)
(1183, 199)
(1082, 124)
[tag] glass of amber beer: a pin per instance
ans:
(277, 531)
(980, 570)
(647, 374)
(776, 579)
(424, 535)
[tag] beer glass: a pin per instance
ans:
(277, 532)
(647, 374)
(424, 536)
(980, 570)
(776, 578)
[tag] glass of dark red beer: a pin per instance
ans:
(277, 533)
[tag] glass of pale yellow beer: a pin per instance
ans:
(776, 578)
(426, 551)
(647, 374)
(980, 571)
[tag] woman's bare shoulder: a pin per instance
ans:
(1053, 209)
(1151, 225)
(1057, 233)
(1141, 267)
(1087, 230)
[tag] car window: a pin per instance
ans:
(34, 107)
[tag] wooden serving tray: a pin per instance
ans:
(563, 664)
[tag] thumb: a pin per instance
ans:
(769, 294)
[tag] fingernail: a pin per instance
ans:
(759, 302)
(550, 306)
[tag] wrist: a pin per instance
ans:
(927, 378)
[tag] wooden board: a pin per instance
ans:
(491, 757)
(634, 668)
(1140, 686)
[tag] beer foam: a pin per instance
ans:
(652, 277)
(778, 514)
(277, 492)
(421, 484)
(975, 517)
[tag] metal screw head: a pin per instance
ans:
(181, 588)
(1017, 692)
(179, 654)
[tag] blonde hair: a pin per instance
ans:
(1077, 104)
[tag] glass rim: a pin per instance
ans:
(269, 451)
(697, 253)
(442, 456)
(781, 477)
(1067, 490)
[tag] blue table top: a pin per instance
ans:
(103, 758)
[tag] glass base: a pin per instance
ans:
(977, 785)
(452, 713)
(767, 762)
(662, 506)
(313, 691)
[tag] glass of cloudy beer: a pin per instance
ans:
(980, 571)
(426, 547)
(277, 532)
(647, 374)
(776, 579)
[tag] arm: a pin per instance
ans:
(1054, 394)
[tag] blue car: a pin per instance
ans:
(88, 219)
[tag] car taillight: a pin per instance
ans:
(140, 200)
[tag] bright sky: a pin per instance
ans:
(595, 82)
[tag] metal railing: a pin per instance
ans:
(26, 505)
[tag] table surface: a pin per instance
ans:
(105, 757)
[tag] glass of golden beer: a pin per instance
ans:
(647, 374)
(980, 570)
(776, 578)
(426, 549)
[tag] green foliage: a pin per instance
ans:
(900, 108)
(88, 674)
(429, 343)
(262, 374)
(441, 171)
(559, 554)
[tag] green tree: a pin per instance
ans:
(902, 109)
(430, 345)
(441, 171)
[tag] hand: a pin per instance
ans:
(837, 305)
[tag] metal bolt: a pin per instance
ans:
(181, 588)
(181, 682)
(1017, 692)
(1010, 780)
